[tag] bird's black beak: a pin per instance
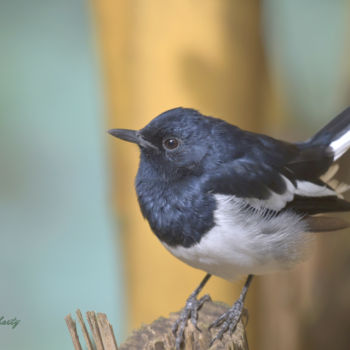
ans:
(125, 134)
(133, 136)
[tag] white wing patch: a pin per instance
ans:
(303, 188)
(275, 201)
(309, 189)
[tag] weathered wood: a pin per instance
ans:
(91, 317)
(73, 332)
(106, 332)
(102, 332)
(158, 335)
(84, 330)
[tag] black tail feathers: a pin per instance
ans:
(335, 134)
(334, 129)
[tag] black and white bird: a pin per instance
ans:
(232, 202)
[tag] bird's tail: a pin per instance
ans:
(335, 134)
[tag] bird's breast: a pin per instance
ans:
(179, 214)
(245, 242)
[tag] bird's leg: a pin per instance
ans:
(230, 318)
(190, 311)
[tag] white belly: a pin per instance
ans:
(242, 244)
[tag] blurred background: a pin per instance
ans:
(72, 235)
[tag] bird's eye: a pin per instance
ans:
(171, 143)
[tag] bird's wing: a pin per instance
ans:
(266, 180)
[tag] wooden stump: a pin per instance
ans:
(158, 335)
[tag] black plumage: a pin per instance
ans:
(233, 202)
(175, 187)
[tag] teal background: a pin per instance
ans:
(307, 47)
(58, 248)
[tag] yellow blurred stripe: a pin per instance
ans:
(161, 54)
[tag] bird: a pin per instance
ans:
(236, 203)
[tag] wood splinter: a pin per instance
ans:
(158, 335)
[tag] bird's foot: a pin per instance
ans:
(189, 312)
(228, 320)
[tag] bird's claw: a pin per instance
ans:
(189, 312)
(228, 320)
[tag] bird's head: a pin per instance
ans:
(173, 144)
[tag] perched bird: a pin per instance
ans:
(232, 202)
